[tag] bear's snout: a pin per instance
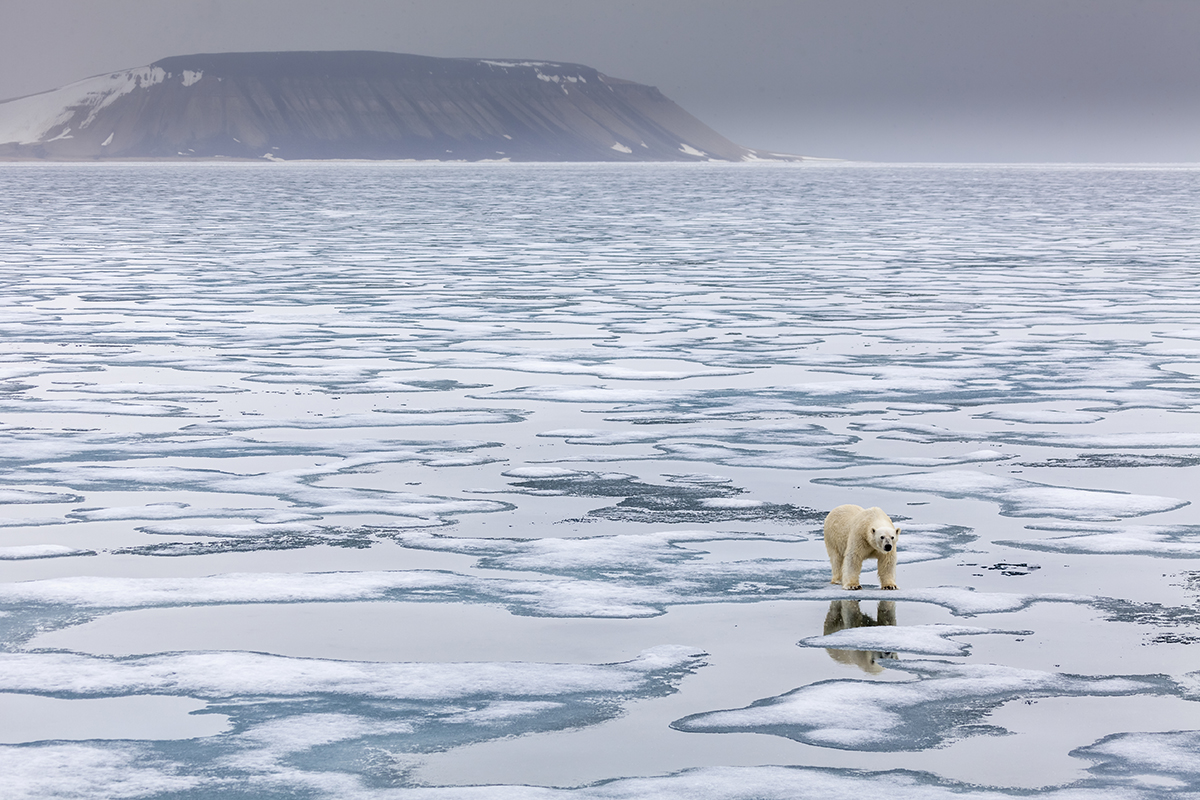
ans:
(887, 547)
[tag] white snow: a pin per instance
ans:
(218, 675)
(541, 472)
(930, 640)
(508, 64)
(1047, 416)
(868, 715)
(1164, 541)
(25, 551)
(57, 770)
(560, 78)
(621, 148)
(731, 502)
(1175, 754)
(13, 494)
(28, 120)
(678, 579)
(86, 770)
(1022, 498)
(548, 71)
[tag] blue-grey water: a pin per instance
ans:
(436, 481)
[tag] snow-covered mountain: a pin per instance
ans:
(359, 105)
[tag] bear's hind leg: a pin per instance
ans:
(835, 563)
(836, 577)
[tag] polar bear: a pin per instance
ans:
(854, 534)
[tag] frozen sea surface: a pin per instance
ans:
(506, 481)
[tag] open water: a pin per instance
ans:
(506, 481)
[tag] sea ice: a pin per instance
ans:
(945, 702)
(1164, 541)
(1020, 498)
(929, 640)
(227, 675)
(1169, 759)
(20, 552)
(309, 383)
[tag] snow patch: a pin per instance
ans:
(1020, 498)
(944, 704)
(1162, 541)
(27, 551)
(929, 640)
(220, 675)
(510, 64)
(86, 770)
(32, 119)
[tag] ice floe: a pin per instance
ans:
(1020, 498)
(1167, 760)
(929, 640)
(289, 715)
(78, 770)
(226, 675)
(679, 500)
(947, 701)
(576, 584)
(21, 552)
(12, 495)
(1164, 541)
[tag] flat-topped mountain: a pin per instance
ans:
(370, 105)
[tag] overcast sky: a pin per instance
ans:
(888, 80)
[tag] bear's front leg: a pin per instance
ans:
(887, 571)
(851, 568)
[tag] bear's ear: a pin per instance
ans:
(872, 531)
(897, 531)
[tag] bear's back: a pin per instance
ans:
(842, 517)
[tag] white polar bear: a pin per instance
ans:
(854, 534)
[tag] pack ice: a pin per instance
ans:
(499, 480)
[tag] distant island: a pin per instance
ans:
(359, 105)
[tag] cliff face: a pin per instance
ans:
(359, 105)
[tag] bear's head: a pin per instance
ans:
(885, 539)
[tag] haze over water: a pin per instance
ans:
(344, 480)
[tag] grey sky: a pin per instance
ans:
(905, 80)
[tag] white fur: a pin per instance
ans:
(854, 534)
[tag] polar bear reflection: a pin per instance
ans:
(845, 614)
